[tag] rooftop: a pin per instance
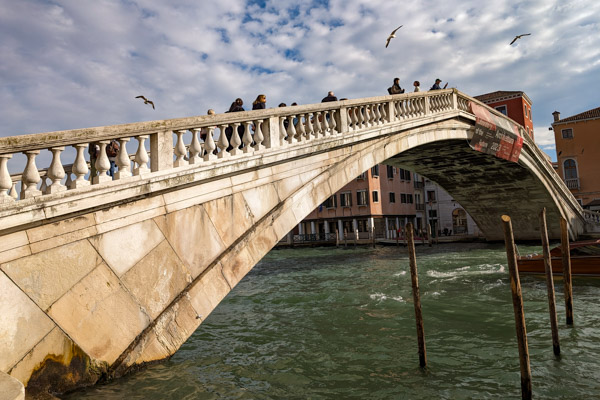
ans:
(501, 95)
(590, 114)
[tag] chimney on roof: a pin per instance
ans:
(556, 116)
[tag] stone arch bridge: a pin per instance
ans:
(99, 277)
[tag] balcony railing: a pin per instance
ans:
(572, 183)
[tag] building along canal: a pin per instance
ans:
(338, 323)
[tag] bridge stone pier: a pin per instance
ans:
(98, 278)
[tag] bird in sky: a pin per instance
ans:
(392, 35)
(146, 101)
(519, 37)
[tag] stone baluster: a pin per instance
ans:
(56, 172)
(370, 118)
(332, 121)
(326, 123)
(247, 138)
(102, 164)
(80, 168)
(141, 157)
(13, 191)
(291, 130)
(6, 182)
(259, 137)
(354, 117)
(235, 140)
(360, 117)
(180, 151)
(44, 185)
(122, 160)
(68, 181)
(223, 143)
(31, 176)
(195, 147)
(377, 114)
(310, 130)
(282, 131)
(209, 145)
(302, 136)
(317, 123)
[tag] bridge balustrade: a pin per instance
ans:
(190, 142)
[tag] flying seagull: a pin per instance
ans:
(392, 35)
(519, 37)
(146, 101)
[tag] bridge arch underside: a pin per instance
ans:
(486, 186)
(104, 289)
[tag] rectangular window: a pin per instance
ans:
(525, 106)
(390, 172)
(346, 199)
(392, 197)
(331, 202)
(375, 171)
(375, 196)
(409, 198)
(567, 133)
(430, 195)
(502, 109)
(432, 213)
(361, 198)
(403, 198)
(362, 176)
(418, 198)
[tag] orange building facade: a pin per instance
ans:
(577, 141)
(514, 104)
(382, 197)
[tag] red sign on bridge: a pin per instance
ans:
(495, 135)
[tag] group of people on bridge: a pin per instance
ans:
(396, 89)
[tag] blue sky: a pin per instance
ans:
(70, 64)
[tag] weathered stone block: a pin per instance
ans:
(208, 291)
(121, 249)
(157, 279)
(261, 200)
(47, 275)
(56, 364)
(232, 216)
(193, 236)
(100, 315)
(22, 324)
(48, 231)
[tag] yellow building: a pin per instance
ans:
(577, 141)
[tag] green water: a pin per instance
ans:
(330, 323)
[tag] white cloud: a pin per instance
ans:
(71, 64)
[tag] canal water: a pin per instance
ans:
(327, 323)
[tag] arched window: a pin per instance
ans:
(459, 221)
(570, 169)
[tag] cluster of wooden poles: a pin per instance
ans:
(517, 297)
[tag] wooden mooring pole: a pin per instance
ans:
(416, 295)
(429, 238)
(373, 235)
(517, 297)
(566, 264)
(549, 283)
(337, 238)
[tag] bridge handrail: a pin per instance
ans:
(239, 134)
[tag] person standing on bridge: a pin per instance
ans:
(436, 85)
(330, 97)
(260, 103)
(395, 88)
(417, 86)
